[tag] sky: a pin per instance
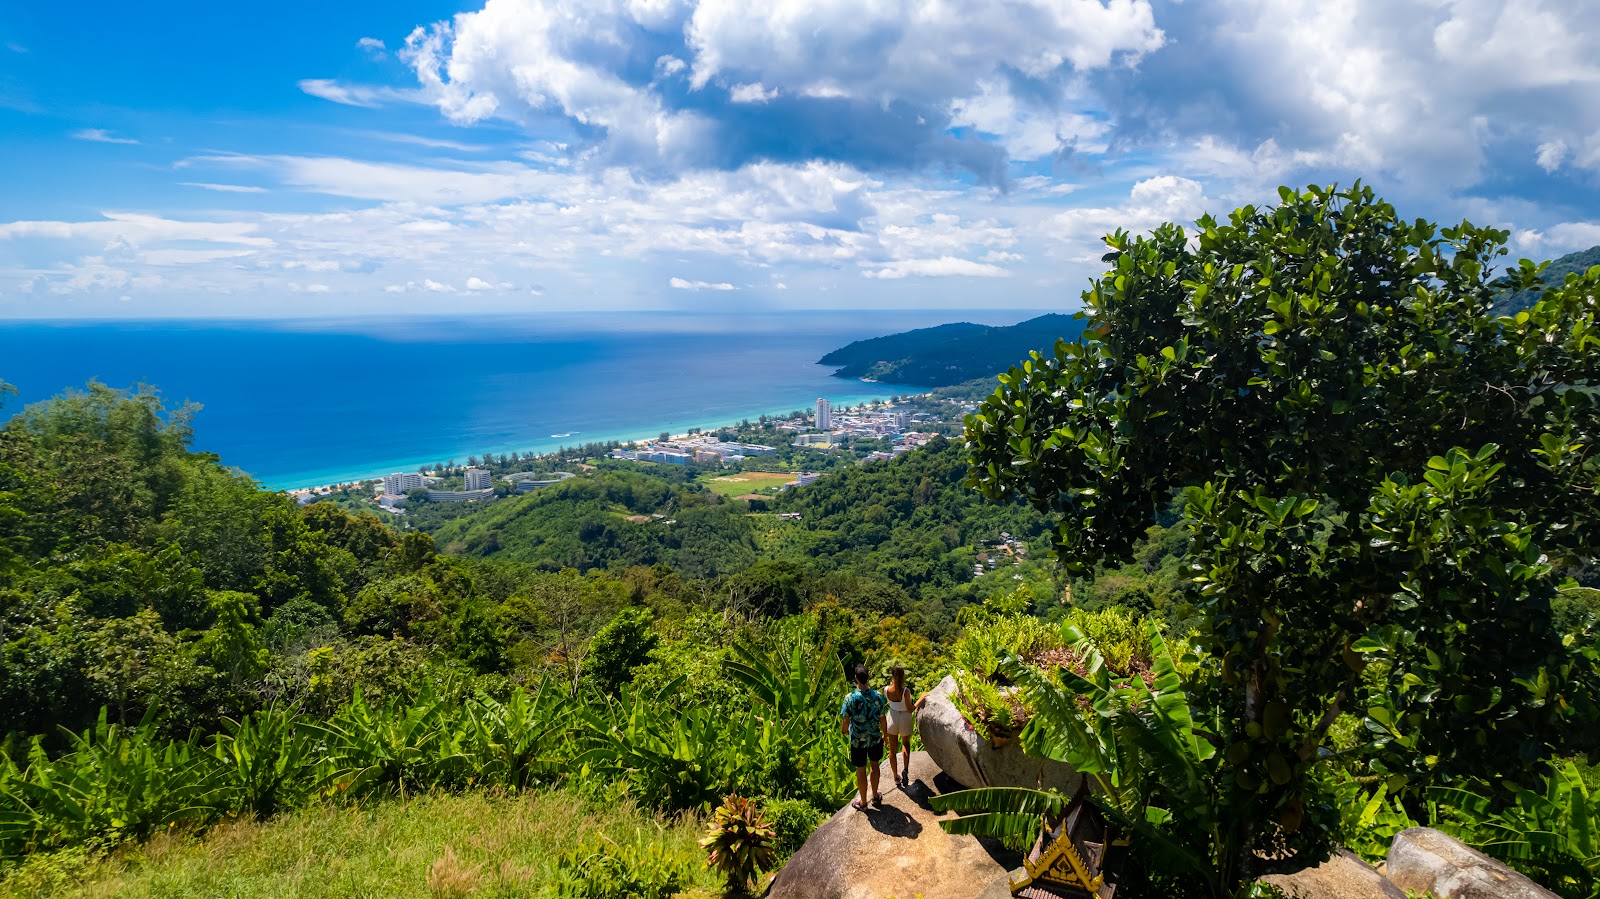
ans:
(406, 157)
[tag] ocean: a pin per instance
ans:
(298, 403)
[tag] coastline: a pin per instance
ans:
(353, 475)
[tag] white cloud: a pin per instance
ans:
(225, 188)
(681, 284)
(354, 94)
(372, 45)
(911, 51)
(1412, 91)
(1558, 239)
(751, 93)
(1151, 202)
(942, 267)
(1551, 154)
(476, 283)
(101, 136)
(527, 60)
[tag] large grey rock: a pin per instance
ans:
(964, 755)
(897, 850)
(1342, 876)
(1424, 860)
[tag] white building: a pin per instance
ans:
(478, 479)
(401, 481)
(824, 415)
(902, 421)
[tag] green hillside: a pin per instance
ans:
(1509, 302)
(950, 354)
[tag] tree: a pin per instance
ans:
(1373, 468)
(622, 645)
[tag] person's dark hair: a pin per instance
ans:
(897, 676)
(861, 675)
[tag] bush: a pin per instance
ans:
(793, 820)
(602, 869)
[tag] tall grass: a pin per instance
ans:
(483, 844)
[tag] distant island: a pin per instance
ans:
(956, 353)
(950, 354)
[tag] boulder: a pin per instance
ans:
(897, 850)
(972, 761)
(1343, 876)
(1424, 860)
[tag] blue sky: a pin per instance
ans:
(409, 157)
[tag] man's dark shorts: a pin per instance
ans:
(860, 754)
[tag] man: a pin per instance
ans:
(862, 719)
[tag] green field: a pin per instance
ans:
(746, 482)
(434, 846)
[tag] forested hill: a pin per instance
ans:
(950, 354)
(1572, 263)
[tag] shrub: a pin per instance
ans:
(601, 869)
(793, 821)
(741, 842)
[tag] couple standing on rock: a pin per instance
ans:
(865, 717)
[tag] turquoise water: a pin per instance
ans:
(301, 403)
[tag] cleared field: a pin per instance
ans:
(746, 482)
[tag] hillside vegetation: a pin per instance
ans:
(1511, 301)
(950, 354)
(1256, 554)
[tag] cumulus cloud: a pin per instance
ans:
(101, 136)
(1425, 96)
(872, 86)
(1151, 202)
(372, 45)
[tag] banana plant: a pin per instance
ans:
(524, 741)
(1139, 746)
(672, 758)
(266, 759)
(403, 747)
(803, 682)
(114, 783)
(1553, 837)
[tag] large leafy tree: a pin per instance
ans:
(1374, 469)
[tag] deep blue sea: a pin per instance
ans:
(313, 402)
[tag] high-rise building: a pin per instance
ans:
(902, 421)
(478, 479)
(824, 415)
(401, 481)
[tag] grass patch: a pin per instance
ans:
(487, 847)
(745, 482)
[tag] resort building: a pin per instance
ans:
(478, 479)
(824, 415)
(400, 482)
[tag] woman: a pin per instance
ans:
(899, 725)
